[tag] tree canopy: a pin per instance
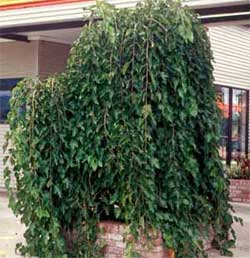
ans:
(129, 132)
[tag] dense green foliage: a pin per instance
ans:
(129, 132)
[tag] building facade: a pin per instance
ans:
(36, 37)
(231, 50)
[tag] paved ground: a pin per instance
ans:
(242, 249)
(11, 232)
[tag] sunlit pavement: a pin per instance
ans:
(11, 232)
(242, 249)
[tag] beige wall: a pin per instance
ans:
(18, 59)
(21, 59)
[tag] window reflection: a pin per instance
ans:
(6, 86)
(239, 123)
(223, 104)
(233, 106)
(4, 105)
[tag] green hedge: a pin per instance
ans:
(129, 132)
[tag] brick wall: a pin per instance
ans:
(240, 190)
(52, 57)
(114, 244)
(112, 237)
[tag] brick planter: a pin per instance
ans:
(240, 190)
(114, 244)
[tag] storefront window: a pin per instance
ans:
(6, 86)
(233, 104)
(223, 104)
(239, 123)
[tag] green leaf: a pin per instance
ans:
(125, 68)
(146, 111)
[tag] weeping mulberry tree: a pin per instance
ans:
(129, 132)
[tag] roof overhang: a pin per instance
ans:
(50, 15)
(223, 12)
(19, 4)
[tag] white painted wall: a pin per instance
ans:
(53, 13)
(74, 11)
(231, 49)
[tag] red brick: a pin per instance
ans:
(112, 227)
(240, 190)
(115, 244)
(114, 250)
(234, 182)
(113, 256)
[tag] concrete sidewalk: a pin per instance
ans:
(242, 249)
(11, 231)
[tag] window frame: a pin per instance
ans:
(230, 122)
(7, 84)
